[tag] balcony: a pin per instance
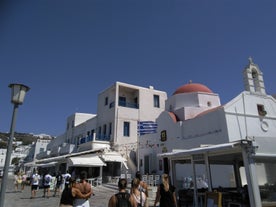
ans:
(129, 104)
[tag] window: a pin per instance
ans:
(122, 101)
(156, 102)
(104, 130)
(106, 101)
(110, 129)
(73, 123)
(99, 132)
(261, 110)
(126, 129)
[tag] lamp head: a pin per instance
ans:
(18, 93)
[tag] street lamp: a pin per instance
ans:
(17, 98)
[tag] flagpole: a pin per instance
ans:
(138, 146)
(138, 142)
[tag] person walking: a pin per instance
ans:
(165, 194)
(59, 180)
(46, 185)
(138, 195)
(143, 185)
(69, 194)
(122, 198)
(67, 177)
(34, 184)
(17, 180)
(24, 180)
(85, 188)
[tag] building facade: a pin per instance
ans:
(235, 140)
(191, 120)
(112, 129)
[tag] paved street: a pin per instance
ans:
(22, 199)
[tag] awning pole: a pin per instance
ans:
(207, 166)
(194, 180)
(250, 170)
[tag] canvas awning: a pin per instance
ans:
(114, 157)
(217, 154)
(86, 161)
(50, 164)
(30, 164)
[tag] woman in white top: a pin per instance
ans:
(139, 196)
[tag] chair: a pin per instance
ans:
(99, 181)
(185, 198)
(151, 180)
(128, 178)
(145, 178)
(156, 180)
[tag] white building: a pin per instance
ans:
(190, 122)
(113, 129)
(195, 131)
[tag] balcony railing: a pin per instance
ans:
(103, 137)
(129, 104)
(100, 137)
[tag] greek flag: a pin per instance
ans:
(146, 127)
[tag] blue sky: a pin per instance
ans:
(68, 51)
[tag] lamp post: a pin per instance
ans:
(17, 98)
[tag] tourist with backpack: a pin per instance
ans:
(122, 198)
(34, 183)
(46, 184)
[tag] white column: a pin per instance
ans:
(251, 176)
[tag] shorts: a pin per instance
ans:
(58, 184)
(34, 187)
(46, 186)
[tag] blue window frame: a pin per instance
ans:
(126, 129)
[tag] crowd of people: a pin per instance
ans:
(76, 192)
(72, 192)
(138, 195)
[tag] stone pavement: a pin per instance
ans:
(22, 199)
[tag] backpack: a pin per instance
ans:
(123, 200)
(67, 179)
(47, 179)
(35, 178)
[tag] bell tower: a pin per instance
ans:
(253, 78)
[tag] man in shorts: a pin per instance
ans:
(46, 185)
(34, 183)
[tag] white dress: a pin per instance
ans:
(138, 198)
(79, 202)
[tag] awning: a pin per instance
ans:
(50, 164)
(225, 153)
(86, 161)
(30, 164)
(114, 157)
